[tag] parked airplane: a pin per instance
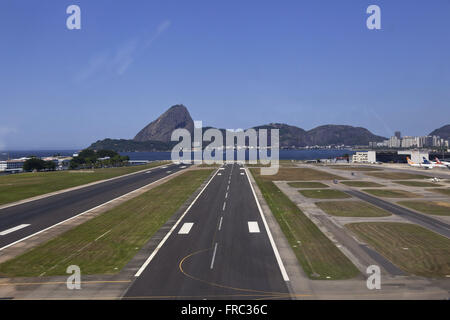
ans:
(435, 164)
(420, 165)
(445, 163)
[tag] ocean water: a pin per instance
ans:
(284, 154)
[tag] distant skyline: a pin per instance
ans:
(233, 64)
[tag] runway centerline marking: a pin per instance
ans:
(213, 257)
(253, 227)
(8, 231)
(186, 228)
(226, 195)
(224, 205)
(220, 223)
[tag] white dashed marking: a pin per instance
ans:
(214, 256)
(4, 233)
(253, 227)
(186, 228)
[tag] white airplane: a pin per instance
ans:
(445, 163)
(420, 165)
(436, 164)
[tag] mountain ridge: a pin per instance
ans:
(156, 135)
(443, 132)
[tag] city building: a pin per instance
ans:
(62, 163)
(408, 142)
(12, 166)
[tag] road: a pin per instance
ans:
(420, 219)
(23, 220)
(220, 249)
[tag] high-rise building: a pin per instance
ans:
(398, 134)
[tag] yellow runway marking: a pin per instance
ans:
(261, 293)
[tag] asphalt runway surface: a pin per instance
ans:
(220, 249)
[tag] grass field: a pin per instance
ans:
(391, 193)
(414, 249)
(308, 185)
(352, 168)
(418, 184)
(362, 184)
(106, 243)
(317, 255)
(324, 194)
(351, 209)
(395, 175)
(282, 163)
(17, 187)
(445, 192)
(439, 208)
(301, 174)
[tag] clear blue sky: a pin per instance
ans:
(234, 64)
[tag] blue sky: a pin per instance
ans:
(234, 64)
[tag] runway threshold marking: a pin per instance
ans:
(8, 231)
(186, 228)
(213, 257)
(150, 258)
(253, 227)
(269, 234)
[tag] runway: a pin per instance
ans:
(21, 221)
(220, 249)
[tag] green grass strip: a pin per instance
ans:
(318, 256)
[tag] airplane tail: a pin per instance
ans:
(409, 160)
(438, 161)
(426, 161)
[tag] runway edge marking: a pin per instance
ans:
(150, 258)
(269, 234)
(84, 212)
